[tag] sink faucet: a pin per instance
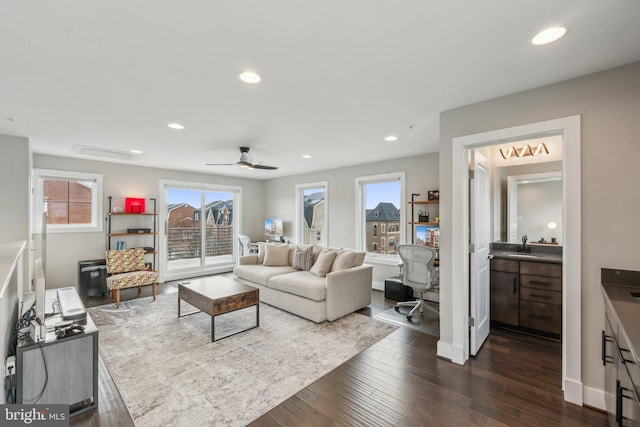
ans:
(524, 247)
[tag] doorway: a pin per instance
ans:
(458, 349)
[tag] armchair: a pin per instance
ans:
(416, 271)
(126, 269)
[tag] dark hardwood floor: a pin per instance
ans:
(514, 381)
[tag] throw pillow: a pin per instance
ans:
(262, 248)
(303, 258)
(323, 264)
(344, 260)
(276, 255)
(359, 259)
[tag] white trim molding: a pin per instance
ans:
(458, 349)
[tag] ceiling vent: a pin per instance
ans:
(106, 153)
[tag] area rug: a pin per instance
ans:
(169, 373)
(427, 323)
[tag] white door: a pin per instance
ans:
(479, 258)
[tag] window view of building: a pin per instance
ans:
(187, 223)
(313, 216)
(68, 201)
(381, 223)
(382, 216)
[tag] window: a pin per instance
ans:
(380, 212)
(72, 200)
(311, 213)
(200, 233)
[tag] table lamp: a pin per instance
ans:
(552, 226)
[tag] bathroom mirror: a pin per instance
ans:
(534, 208)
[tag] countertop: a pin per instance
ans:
(617, 286)
(533, 256)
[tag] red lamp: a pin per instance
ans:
(133, 205)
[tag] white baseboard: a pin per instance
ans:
(379, 286)
(457, 355)
(573, 391)
(444, 350)
(594, 397)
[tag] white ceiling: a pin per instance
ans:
(338, 75)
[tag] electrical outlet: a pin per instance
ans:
(10, 367)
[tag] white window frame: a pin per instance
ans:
(361, 232)
(299, 214)
(96, 224)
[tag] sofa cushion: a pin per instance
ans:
(301, 283)
(323, 265)
(303, 258)
(344, 259)
(276, 255)
(359, 260)
(260, 274)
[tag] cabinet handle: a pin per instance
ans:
(515, 280)
(540, 296)
(622, 357)
(535, 282)
(618, 403)
(604, 349)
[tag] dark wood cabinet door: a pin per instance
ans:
(505, 297)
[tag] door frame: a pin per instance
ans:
(569, 127)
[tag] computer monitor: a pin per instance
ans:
(427, 235)
(273, 229)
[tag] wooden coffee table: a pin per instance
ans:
(219, 295)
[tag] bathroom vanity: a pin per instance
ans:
(526, 290)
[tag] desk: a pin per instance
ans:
(71, 372)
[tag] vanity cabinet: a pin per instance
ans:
(541, 296)
(505, 291)
(527, 295)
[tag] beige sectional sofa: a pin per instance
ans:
(313, 282)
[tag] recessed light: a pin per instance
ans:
(549, 35)
(391, 138)
(306, 156)
(176, 126)
(136, 151)
(250, 77)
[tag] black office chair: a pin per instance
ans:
(416, 270)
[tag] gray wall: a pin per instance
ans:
(421, 175)
(64, 250)
(609, 104)
(15, 183)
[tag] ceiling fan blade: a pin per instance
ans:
(265, 167)
(221, 164)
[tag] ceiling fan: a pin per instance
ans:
(246, 161)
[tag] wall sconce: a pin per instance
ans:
(133, 205)
(527, 150)
(552, 226)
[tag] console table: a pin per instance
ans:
(71, 373)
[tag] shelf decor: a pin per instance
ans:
(133, 205)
